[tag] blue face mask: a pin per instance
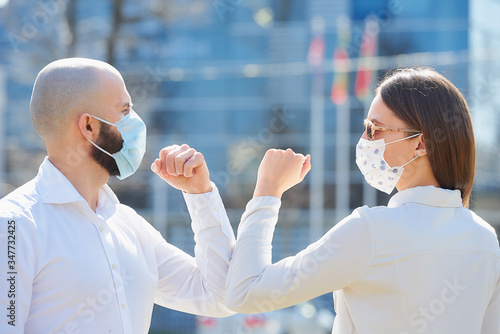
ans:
(133, 131)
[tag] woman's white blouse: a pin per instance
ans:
(423, 264)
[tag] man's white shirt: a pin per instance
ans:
(80, 271)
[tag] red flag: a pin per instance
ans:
(338, 93)
(368, 49)
(316, 51)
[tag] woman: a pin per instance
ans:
(422, 264)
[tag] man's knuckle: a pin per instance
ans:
(171, 148)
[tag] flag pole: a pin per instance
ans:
(316, 198)
(342, 189)
(340, 96)
(160, 198)
(364, 85)
(3, 144)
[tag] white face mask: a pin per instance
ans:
(371, 162)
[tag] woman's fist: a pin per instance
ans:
(279, 171)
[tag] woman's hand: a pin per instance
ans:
(279, 171)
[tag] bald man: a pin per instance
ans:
(75, 260)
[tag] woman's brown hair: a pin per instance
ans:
(426, 101)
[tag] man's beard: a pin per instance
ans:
(110, 142)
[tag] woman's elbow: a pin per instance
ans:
(235, 301)
(247, 302)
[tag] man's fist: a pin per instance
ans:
(183, 168)
(279, 171)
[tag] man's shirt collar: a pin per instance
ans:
(55, 188)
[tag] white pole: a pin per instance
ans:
(372, 30)
(316, 200)
(342, 182)
(160, 198)
(342, 133)
(3, 144)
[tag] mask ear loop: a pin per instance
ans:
(417, 134)
(101, 149)
(416, 157)
(97, 146)
(103, 120)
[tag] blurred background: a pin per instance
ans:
(233, 78)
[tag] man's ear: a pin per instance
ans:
(421, 149)
(89, 126)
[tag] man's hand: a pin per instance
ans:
(279, 171)
(183, 168)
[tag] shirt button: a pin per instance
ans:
(215, 207)
(124, 306)
(101, 228)
(114, 266)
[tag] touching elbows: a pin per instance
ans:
(242, 298)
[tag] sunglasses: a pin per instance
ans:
(370, 129)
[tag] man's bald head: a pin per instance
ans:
(63, 88)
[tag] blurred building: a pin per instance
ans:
(484, 85)
(232, 78)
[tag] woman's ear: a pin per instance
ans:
(420, 150)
